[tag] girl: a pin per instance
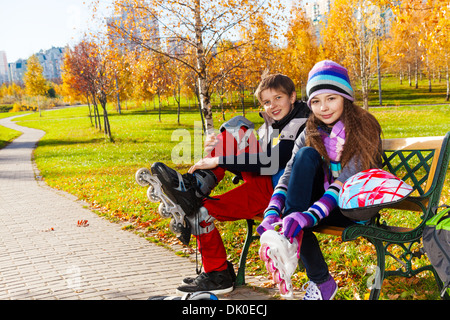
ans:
(339, 141)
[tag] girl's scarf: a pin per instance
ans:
(334, 144)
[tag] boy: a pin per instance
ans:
(259, 164)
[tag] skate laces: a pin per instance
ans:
(312, 291)
(194, 183)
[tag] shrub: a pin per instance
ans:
(5, 108)
(17, 107)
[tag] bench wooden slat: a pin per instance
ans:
(421, 143)
(332, 230)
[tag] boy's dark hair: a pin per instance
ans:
(275, 81)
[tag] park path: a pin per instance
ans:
(45, 255)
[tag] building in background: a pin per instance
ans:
(316, 10)
(3, 68)
(140, 27)
(16, 71)
(379, 19)
(51, 61)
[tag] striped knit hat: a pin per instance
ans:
(328, 77)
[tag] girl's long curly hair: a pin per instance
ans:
(362, 137)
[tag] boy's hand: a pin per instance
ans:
(205, 163)
(210, 143)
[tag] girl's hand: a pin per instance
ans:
(205, 163)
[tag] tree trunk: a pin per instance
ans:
(96, 113)
(107, 127)
(416, 71)
(429, 75)
(204, 98)
(409, 74)
(380, 94)
(90, 112)
(159, 105)
(448, 86)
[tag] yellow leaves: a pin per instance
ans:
(35, 83)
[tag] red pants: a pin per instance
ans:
(243, 202)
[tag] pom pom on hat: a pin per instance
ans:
(328, 77)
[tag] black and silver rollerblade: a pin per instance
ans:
(202, 295)
(180, 196)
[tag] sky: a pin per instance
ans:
(27, 26)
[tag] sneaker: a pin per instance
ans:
(322, 291)
(190, 280)
(187, 190)
(216, 282)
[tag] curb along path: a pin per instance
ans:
(45, 255)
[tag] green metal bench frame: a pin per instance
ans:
(422, 163)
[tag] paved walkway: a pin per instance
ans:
(45, 255)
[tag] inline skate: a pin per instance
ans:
(180, 196)
(281, 259)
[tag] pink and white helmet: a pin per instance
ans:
(365, 193)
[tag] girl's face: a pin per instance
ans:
(328, 107)
(277, 104)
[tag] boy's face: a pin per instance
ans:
(276, 103)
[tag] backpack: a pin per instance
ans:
(436, 242)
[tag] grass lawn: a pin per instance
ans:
(391, 87)
(7, 135)
(75, 157)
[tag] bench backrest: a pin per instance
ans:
(420, 162)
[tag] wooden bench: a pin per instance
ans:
(420, 162)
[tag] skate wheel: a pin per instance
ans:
(151, 194)
(163, 212)
(283, 288)
(140, 177)
(263, 250)
(270, 266)
(174, 227)
(277, 277)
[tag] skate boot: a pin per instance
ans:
(187, 190)
(281, 259)
(166, 186)
(167, 208)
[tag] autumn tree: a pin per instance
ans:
(406, 33)
(440, 37)
(301, 51)
(199, 25)
(91, 66)
(225, 69)
(436, 39)
(77, 76)
(35, 83)
(259, 54)
(354, 45)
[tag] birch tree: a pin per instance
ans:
(354, 45)
(197, 25)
